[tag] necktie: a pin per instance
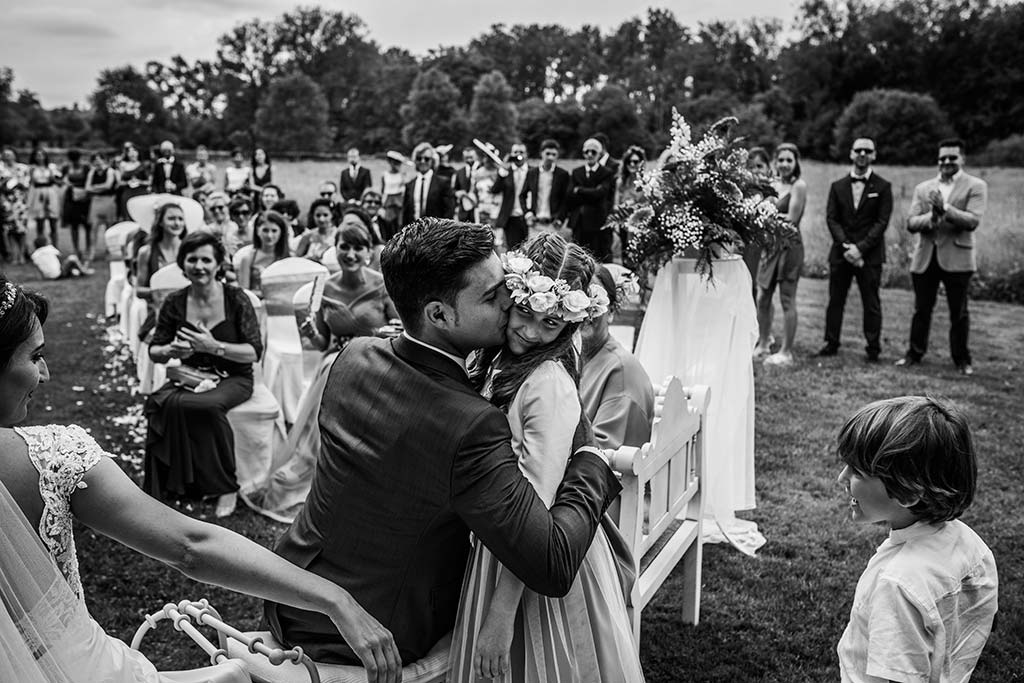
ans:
(421, 200)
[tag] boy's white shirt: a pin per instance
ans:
(923, 607)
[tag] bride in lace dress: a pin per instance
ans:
(49, 474)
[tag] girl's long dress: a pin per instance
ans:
(586, 635)
(289, 484)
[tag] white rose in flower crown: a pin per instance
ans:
(542, 302)
(599, 301)
(515, 281)
(575, 301)
(518, 264)
(539, 283)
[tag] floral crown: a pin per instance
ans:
(552, 297)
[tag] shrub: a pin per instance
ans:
(1006, 152)
(904, 125)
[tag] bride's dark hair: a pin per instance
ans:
(19, 319)
(559, 260)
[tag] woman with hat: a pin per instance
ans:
(392, 187)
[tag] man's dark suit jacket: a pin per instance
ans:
(351, 189)
(177, 176)
(590, 198)
(412, 460)
(463, 182)
(506, 187)
(440, 199)
(863, 225)
(559, 191)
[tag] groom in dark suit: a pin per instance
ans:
(859, 206)
(591, 192)
(413, 459)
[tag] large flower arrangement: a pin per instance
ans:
(701, 202)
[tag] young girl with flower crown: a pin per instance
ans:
(503, 631)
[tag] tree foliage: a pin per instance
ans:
(124, 108)
(293, 116)
(432, 112)
(905, 126)
(492, 116)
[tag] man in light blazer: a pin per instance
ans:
(858, 211)
(945, 212)
(414, 458)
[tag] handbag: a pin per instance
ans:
(622, 556)
(193, 379)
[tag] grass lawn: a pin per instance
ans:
(776, 617)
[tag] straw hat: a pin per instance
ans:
(143, 208)
(396, 156)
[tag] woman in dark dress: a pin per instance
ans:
(75, 213)
(190, 449)
(133, 176)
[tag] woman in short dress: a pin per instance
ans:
(101, 186)
(133, 176)
(355, 304)
(626, 191)
(75, 214)
(392, 189)
(781, 266)
(261, 174)
(43, 199)
(237, 176)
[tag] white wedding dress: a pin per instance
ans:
(703, 332)
(46, 633)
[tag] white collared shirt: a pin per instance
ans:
(858, 188)
(946, 187)
(461, 362)
(923, 607)
(422, 188)
(545, 181)
(519, 179)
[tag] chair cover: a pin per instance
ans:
(306, 303)
(236, 260)
(115, 237)
(164, 281)
(431, 669)
(330, 259)
(283, 362)
(143, 208)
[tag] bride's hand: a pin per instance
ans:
(370, 641)
(491, 658)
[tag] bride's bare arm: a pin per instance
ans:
(113, 505)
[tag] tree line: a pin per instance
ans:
(903, 71)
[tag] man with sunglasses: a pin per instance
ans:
(944, 214)
(429, 194)
(591, 191)
(858, 211)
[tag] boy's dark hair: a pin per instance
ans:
(287, 207)
(196, 240)
(551, 144)
(920, 448)
(954, 142)
(428, 260)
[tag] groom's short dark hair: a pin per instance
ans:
(427, 261)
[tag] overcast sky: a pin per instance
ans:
(58, 47)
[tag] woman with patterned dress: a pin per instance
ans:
(237, 176)
(504, 631)
(52, 474)
(43, 193)
(355, 304)
(133, 177)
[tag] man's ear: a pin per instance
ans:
(438, 314)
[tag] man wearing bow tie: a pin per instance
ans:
(168, 173)
(354, 179)
(944, 215)
(859, 207)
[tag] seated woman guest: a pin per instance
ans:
(355, 304)
(269, 244)
(315, 242)
(210, 328)
(54, 474)
(781, 266)
(355, 215)
(160, 250)
(615, 389)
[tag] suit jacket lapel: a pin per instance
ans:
(417, 354)
(959, 189)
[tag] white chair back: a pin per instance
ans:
(236, 260)
(143, 208)
(166, 280)
(330, 259)
(281, 279)
(116, 237)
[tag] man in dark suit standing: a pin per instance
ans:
(428, 194)
(945, 212)
(168, 173)
(462, 185)
(547, 187)
(510, 183)
(354, 179)
(591, 192)
(858, 211)
(413, 459)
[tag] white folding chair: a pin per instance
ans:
(668, 528)
(115, 236)
(256, 424)
(142, 209)
(236, 260)
(305, 303)
(283, 363)
(164, 281)
(330, 259)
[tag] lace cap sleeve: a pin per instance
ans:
(62, 456)
(248, 323)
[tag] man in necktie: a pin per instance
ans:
(858, 211)
(463, 185)
(591, 191)
(545, 193)
(428, 194)
(944, 214)
(168, 173)
(509, 184)
(354, 179)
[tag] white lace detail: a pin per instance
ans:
(62, 455)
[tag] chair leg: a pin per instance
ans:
(692, 560)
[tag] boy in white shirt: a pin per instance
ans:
(47, 260)
(924, 606)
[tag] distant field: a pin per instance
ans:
(1000, 238)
